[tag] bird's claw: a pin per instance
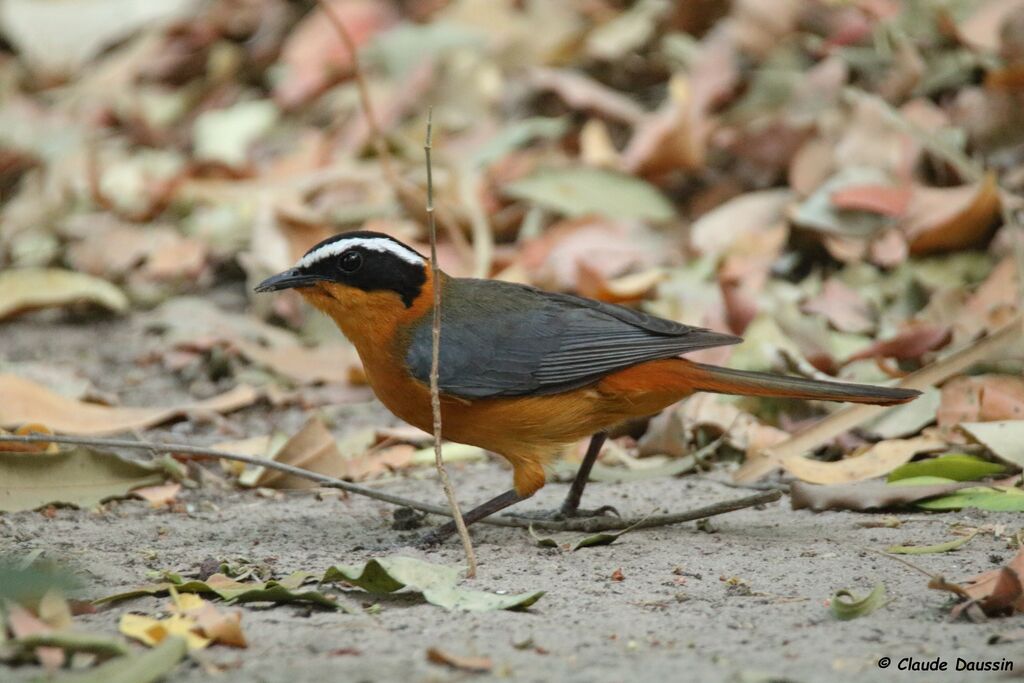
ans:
(562, 514)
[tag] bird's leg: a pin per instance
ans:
(496, 504)
(571, 505)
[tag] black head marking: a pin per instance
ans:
(370, 261)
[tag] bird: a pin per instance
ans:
(523, 372)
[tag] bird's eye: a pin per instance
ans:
(350, 261)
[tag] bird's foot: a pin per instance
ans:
(563, 513)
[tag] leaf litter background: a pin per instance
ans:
(836, 181)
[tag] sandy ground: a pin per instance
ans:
(675, 615)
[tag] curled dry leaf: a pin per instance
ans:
(998, 592)
(25, 289)
(948, 219)
(312, 448)
(22, 401)
(877, 460)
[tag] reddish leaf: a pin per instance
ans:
(887, 200)
(913, 342)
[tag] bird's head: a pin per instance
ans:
(357, 278)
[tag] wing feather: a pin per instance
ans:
(502, 339)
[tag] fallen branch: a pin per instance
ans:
(592, 524)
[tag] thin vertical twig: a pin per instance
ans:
(435, 360)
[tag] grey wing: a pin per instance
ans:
(502, 339)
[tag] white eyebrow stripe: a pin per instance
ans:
(373, 243)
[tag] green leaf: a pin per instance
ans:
(956, 466)
(26, 582)
(79, 476)
(929, 549)
(151, 665)
(980, 497)
(438, 583)
(846, 606)
(23, 289)
(1005, 438)
(99, 645)
(580, 191)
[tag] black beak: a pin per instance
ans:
(289, 279)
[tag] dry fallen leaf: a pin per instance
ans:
(877, 460)
(158, 496)
(461, 662)
(312, 448)
(25, 289)
(314, 56)
(947, 219)
(22, 401)
(998, 592)
(981, 398)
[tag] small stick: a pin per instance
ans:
(589, 525)
(435, 360)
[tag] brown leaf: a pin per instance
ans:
(624, 289)
(158, 496)
(474, 664)
(982, 398)
(220, 627)
(312, 448)
(314, 56)
(22, 401)
(998, 592)
(952, 218)
(673, 138)
(888, 200)
(912, 343)
(879, 459)
(379, 461)
(865, 495)
(23, 623)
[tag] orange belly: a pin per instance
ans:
(530, 431)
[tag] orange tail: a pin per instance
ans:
(729, 381)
